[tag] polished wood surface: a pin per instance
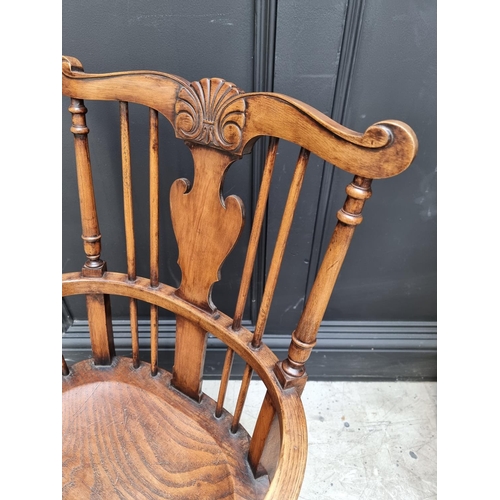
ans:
(133, 430)
(130, 435)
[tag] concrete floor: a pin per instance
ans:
(367, 440)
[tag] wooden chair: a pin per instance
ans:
(130, 428)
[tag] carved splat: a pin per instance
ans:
(205, 114)
(206, 228)
(205, 225)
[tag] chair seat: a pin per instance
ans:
(128, 434)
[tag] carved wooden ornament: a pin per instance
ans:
(206, 115)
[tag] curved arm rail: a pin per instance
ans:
(287, 480)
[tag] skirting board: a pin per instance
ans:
(368, 350)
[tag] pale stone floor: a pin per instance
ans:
(367, 440)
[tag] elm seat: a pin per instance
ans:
(141, 438)
(133, 430)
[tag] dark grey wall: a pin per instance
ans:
(358, 62)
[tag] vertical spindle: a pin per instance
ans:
(240, 403)
(154, 196)
(279, 249)
(226, 371)
(253, 243)
(65, 369)
(129, 225)
(292, 370)
(154, 340)
(154, 230)
(98, 305)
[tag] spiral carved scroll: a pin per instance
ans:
(205, 114)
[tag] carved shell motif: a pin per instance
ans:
(206, 115)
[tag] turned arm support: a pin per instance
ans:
(291, 371)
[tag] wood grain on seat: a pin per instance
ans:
(127, 434)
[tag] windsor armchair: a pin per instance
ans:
(130, 428)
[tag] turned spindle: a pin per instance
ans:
(291, 371)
